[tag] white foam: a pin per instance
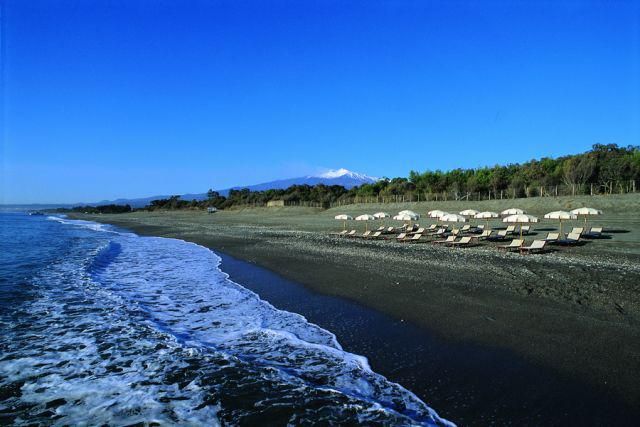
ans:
(133, 294)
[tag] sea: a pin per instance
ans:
(100, 326)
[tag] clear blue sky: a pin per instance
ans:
(106, 99)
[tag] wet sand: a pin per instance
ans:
(519, 338)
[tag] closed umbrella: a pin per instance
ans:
(512, 211)
(486, 215)
(585, 212)
(344, 218)
(367, 218)
(520, 219)
(560, 216)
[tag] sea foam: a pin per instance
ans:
(130, 329)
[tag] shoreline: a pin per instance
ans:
(435, 370)
(583, 343)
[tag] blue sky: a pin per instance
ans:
(106, 99)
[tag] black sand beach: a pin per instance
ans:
(482, 337)
(465, 383)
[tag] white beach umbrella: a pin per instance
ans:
(512, 211)
(436, 213)
(469, 212)
(585, 212)
(486, 215)
(561, 216)
(344, 218)
(453, 218)
(381, 216)
(411, 213)
(366, 218)
(520, 219)
(406, 217)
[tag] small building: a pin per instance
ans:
(212, 210)
(275, 203)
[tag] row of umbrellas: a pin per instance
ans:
(512, 215)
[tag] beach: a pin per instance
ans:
(573, 313)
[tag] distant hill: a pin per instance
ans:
(343, 177)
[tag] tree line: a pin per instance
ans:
(320, 194)
(598, 170)
(102, 209)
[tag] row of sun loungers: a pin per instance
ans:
(575, 234)
(470, 236)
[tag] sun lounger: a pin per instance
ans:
(536, 246)
(500, 235)
(449, 239)
(375, 235)
(342, 233)
(418, 231)
(432, 227)
(485, 234)
(381, 228)
(594, 233)
(577, 230)
(480, 227)
(552, 237)
(465, 228)
(352, 233)
(439, 232)
(464, 241)
(365, 234)
(410, 228)
(400, 237)
(510, 229)
(513, 246)
(414, 239)
(572, 239)
(525, 229)
(390, 230)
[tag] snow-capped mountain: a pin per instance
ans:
(345, 173)
(343, 177)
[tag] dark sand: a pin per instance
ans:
(466, 383)
(480, 336)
